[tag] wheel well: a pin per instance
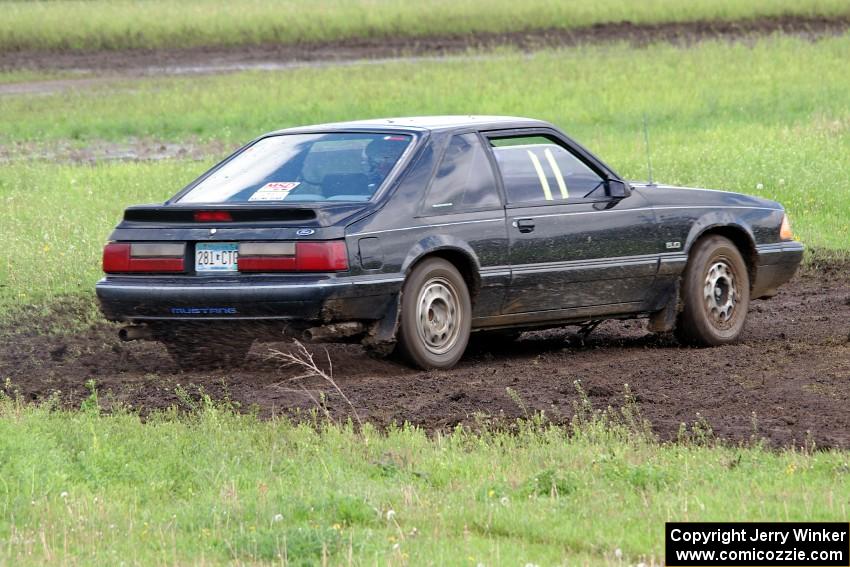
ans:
(742, 242)
(464, 264)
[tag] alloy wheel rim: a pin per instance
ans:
(720, 293)
(438, 315)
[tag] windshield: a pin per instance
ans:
(304, 167)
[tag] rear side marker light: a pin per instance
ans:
(319, 256)
(212, 216)
(785, 232)
(150, 257)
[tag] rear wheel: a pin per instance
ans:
(436, 315)
(205, 350)
(715, 293)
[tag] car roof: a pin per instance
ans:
(425, 123)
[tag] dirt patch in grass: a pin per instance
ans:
(215, 59)
(95, 151)
(788, 381)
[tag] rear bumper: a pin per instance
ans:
(777, 263)
(305, 298)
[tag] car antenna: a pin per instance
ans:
(646, 143)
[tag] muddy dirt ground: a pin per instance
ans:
(788, 381)
(216, 59)
(87, 70)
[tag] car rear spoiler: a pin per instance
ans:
(317, 214)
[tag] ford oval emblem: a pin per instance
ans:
(305, 232)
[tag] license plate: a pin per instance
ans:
(216, 257)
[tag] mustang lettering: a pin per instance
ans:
(204, 311)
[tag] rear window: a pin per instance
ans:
(304, 167)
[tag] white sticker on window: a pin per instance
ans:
(274, 191)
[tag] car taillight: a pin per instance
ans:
(213, 216)
(319, 256)
(150, 257)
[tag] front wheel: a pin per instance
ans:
(715, 293)
(436, 315)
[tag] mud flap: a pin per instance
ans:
(664, 320)
(381, 338)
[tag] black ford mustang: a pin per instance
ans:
(412, 233)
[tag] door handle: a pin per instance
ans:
(524, 225)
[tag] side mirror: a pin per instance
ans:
(618, 189)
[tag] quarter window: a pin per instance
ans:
(535, 169)
(464, 179)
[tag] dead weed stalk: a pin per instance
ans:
(302, 359)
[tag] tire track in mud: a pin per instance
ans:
(788, 381)
(102, 67)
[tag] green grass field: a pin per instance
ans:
(214, 486)
(771, 120)
(123, 24)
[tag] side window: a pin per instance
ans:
(464, 179)
(536, 169)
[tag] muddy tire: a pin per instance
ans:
(715, 294)
(436, 315)
(201, 351)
